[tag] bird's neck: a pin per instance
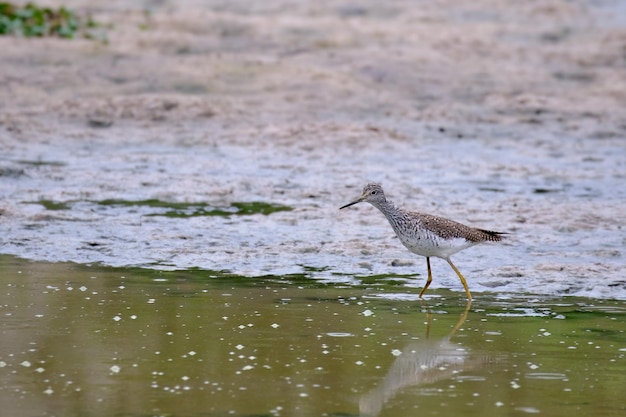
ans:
(388, 208)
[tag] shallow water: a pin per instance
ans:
(95, 341)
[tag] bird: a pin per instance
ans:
(426, 234)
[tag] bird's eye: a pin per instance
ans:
(373, 192)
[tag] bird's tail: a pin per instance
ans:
(492, 236)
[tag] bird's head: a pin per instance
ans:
(372, 193)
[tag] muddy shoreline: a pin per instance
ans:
(498, 115)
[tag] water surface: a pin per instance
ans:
(98, 341)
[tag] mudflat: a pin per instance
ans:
(502, 115)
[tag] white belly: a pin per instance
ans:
(432, 245)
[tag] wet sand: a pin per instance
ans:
(497, 114)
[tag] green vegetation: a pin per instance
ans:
(200, 209)
(180, 210)
(31, 20)
(53, 205)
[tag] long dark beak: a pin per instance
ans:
(350, 204)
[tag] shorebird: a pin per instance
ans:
(425, 234)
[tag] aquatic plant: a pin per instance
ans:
(31, 20)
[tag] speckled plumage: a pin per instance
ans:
(425, 234)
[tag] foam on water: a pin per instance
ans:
(563, 242)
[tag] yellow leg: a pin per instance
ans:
(430, 277)
(469, 295)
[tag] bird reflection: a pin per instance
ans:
(420, 363)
